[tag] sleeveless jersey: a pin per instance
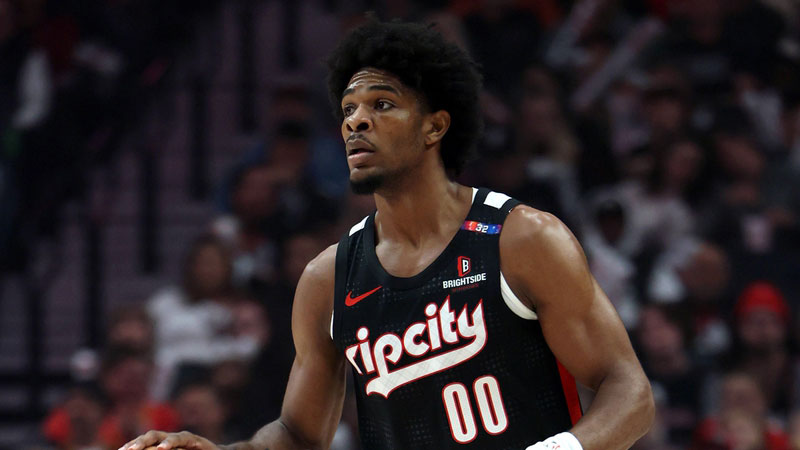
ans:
(448, 358)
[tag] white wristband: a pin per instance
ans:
(561, 441)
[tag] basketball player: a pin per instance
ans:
(462, 314)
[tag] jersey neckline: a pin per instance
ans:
(388, 280)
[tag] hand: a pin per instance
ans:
(159, 440)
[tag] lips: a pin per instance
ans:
(357, 146)
(359, 152)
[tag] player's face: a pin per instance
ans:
(382, 128)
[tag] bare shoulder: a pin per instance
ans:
(539, 255)
(313, 303)
(528, 229)
(322, 269)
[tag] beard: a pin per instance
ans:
(368, 185)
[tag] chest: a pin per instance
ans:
(407, 260)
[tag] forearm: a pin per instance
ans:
(273, 436)
(621, 412)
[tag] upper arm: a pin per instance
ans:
(312, 405)
(547, 269)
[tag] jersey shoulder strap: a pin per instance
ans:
(344, 254)
(497, 201)
(491, 207)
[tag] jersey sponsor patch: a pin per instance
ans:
(478, 227)
(464, 265)
(464, 281)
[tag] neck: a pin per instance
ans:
(421, 206)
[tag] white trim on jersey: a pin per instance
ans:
(496, 199)
(514, 303)
(359, 226)
(474, 193)
(331, 325)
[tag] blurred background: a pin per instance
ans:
(167, 168)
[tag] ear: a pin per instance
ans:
(436, 125)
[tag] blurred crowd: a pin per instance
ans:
(665, 133)
(75, 76)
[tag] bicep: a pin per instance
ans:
(587, 336)
(314, 396)
(546, 265)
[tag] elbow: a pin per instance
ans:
(647, 407)
(298, 440)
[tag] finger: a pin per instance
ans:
(148, 439)
(176, 440)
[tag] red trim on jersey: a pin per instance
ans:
(570, 393)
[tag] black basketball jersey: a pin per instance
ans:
(448, 358)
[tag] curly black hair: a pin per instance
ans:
(419, 56)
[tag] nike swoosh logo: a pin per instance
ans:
(350, 301)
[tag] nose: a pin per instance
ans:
(359, 120)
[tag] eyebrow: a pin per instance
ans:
(374, 87)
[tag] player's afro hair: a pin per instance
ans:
(418, 55)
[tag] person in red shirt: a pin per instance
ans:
(126, 412)
(742, 422)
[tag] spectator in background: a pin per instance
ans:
(290, 102)
(130, 326)
(503, 37)
(302, 204)
(545, 138)
(790, 126)
(704, 279)
(662, 336)
(752, 31)
(741, 420)
(127, 327)
(26, 82)
(248, 387)
(794, 430)
(201, 411)
(75, 424)
(297, 250)
(624, 123)
(125, 378)
(746, 213)
(663, 221)
(256, 393)
(666, 110)
(255, 206)
(543, 127)
(656, 219)
(742, 165)
(192, 320)
(270, 200)
(783, 187)
(614, 270)
(25, 102)
(647, 113)
(697, 45)
(658, 436)
(761, 345)
(762, 103)
(679, 170)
